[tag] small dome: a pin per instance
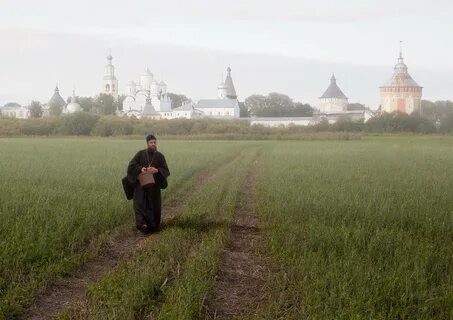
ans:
(73, 106)
(162, 84)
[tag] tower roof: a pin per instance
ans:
(57, 99)
(149, 110)
(401, 77)
(333, 91)
(230, 91)
(109, 73)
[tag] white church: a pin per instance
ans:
(148, 98)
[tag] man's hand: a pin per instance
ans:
(152, 170)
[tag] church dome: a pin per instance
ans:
(401, 77)
(73, 106)
(146, 79)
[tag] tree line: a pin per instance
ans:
(89, 124)
(272, 105)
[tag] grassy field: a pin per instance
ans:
(359, 229)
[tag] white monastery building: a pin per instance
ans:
(226, 105)
(147, 92)
(333, 100)
(14, 110)
(401, 93)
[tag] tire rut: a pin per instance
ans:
(241, 273)
(65, 292)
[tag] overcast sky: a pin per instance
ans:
(290, 46)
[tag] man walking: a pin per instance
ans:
(147, 201)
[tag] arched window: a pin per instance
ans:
(113, 87)
(107, 88)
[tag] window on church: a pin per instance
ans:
(107, 87)
(113, 87)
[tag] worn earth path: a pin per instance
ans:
(66, 291)
(242, 270)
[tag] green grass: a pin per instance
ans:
(359, 229)
(178, 268)
(60, 198)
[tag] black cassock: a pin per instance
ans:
(147, 202)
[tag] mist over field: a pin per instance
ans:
(226, 159)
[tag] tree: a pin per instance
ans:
(119, 102)
(302, 110)
(446, 123)
(400, 122)
(78, 123)
(276, 105)
(177, 100)
(254, 104)
(86, 103)
(243, 111)
(436, 110)
(35, 109)
(104, 104)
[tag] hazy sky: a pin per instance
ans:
(290, 46)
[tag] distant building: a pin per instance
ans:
(55, 102)
(149, 112)
(401, 93)
(150, 89)
(72, 106)
(187, 110)
(226, 105)
(14, 110)
(333, 100)
(109, 81)
(273, 122)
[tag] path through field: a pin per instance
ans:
(240, 276)
(68, 291)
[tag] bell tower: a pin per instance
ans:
(110, 83)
